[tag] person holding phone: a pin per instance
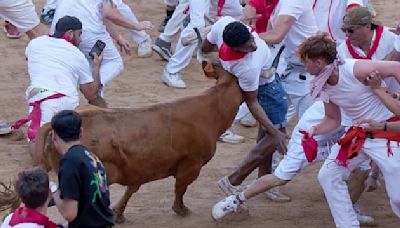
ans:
(56, 66)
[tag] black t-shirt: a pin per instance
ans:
(82, 177)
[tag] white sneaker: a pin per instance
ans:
(4, 128)
(226, 206)
(231, 137)
(227, 187)
(248, 120)
(276, 195)
(173, 80)
(364, 220)
(144, 48)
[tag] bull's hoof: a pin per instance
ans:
(119, 219)
(181, 211)
(119, 216)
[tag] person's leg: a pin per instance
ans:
(332, 178)
(22, 14)
(47, 14)
(389, 164)
(170, 6)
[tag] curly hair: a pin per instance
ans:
(318, 46)
(236, 34)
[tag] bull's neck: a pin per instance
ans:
(228, 99)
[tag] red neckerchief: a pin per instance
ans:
(28, 215)
(64, 37)
(227, 54)
(268, 9)
(353, 53)
(221, 4)
(352, 142)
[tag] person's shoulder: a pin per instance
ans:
(75, 153)
(6, 221)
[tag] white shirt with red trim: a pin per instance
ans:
(56, 65)
(303, 27)
(248, 68)
(384, 43)
(330, 15)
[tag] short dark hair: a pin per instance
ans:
(67, 125)
(32, 187)
(236, 34)
(318, 46)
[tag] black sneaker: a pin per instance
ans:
(163, 24)
(163, 49)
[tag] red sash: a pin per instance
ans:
(379, 31)
(35, 116)
(355, 137)
(28, 215)
(221, 4)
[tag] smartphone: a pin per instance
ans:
(97, 48)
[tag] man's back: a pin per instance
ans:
(57, 65)
(82, 178)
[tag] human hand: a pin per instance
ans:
(280, 141)
(369, 125)
(396, 28)
(97, 59)
(374, 80)
(250, 21)
(124, 46)
(144, 25)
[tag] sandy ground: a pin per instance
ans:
(140, 85)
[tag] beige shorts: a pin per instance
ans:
(20, 13)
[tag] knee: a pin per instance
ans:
(325, 177)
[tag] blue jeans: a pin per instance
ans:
(273, 100)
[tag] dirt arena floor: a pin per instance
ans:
(140, 85)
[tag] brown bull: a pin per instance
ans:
(176, 139)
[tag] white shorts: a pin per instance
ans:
(50, 107)
(21, 13)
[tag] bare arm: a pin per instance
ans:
(208, 47)
(68, 208)
(111, 13)
(364, 68)
(330, 122)
(91, 90)
(249, 14)
(279, 31)
(259, 114)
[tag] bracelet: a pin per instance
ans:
(385, 126)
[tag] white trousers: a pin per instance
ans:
(175, 22)
(183, 54)
(50, 4)
(112, 64)
(332, 178)
(171, 2)
(137, 36)
(21, 13)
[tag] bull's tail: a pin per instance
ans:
(39, 157)
(8, 197)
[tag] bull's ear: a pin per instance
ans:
(209, 70)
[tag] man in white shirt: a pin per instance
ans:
(22, 14)
(198, 9)
(97, 17)
(292, 21)
(244, 55)
(56, 66)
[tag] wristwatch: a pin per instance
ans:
(53, 187)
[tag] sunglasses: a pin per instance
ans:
(350, 30)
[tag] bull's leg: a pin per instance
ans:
(119, 208)
(186, 173)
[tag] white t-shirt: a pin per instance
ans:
(56, 65)
(22, 225)
(366, 105)
(89, 12)
(248, 68)
(230, 8)
(330, 15)
(303, 27)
